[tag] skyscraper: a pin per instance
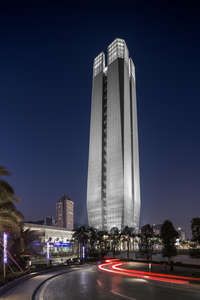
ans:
(113, 187)
(65, 213)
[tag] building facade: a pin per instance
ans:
(65, 213)
(49, 221)
(181, 233)
(59, 239)
(113, 187)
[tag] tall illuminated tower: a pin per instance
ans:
(65, 213)
(113, 187)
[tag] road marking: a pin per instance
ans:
(123, 296)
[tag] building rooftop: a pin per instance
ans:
(45, 227)
(64, 197)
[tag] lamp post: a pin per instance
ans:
(83, 252)
(5, 257)
(48, 253)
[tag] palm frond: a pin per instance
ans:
(9, 225)
(5, 186)
(4, 171)
(7, 193)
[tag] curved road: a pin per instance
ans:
(25, 290)
(91, 283)
(88, 282)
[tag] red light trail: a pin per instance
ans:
(114, 266)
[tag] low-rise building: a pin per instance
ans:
(57, 239)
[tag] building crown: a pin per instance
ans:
(117, 49)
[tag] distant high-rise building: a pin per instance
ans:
(65, 213)
(49, 221)
(181, 234)
(113, 187)
(37, 222)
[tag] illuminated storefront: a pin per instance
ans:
(58, 239)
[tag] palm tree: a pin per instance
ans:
(103, 240)
(4, 171)
(146, 241)
(81, 235)
(115, 239)
(127, 234)
(10, 218)
(92, 239)
(7, 193)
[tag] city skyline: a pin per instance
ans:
(113, 186)
(45, 88)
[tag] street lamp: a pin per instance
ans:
(48, 252)
(83, 252)
(5, 256)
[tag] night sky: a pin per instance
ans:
(46, 56)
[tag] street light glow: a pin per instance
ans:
(5, 243)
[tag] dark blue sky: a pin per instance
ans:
(46, 56)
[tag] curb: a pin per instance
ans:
(6, 287)
(53, 276)
(43, 282)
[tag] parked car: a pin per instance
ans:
(68, 262)
(76, 261)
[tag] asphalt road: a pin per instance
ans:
(91, 283)
(87, 282)
(25, 289)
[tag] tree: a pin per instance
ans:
(81, 235)
(168, 235)
(126, 234)
(115, 239)
(92, 239)
(103, 241)
(146, 240)
(10, 218)
(7, 193)
(195, 226)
